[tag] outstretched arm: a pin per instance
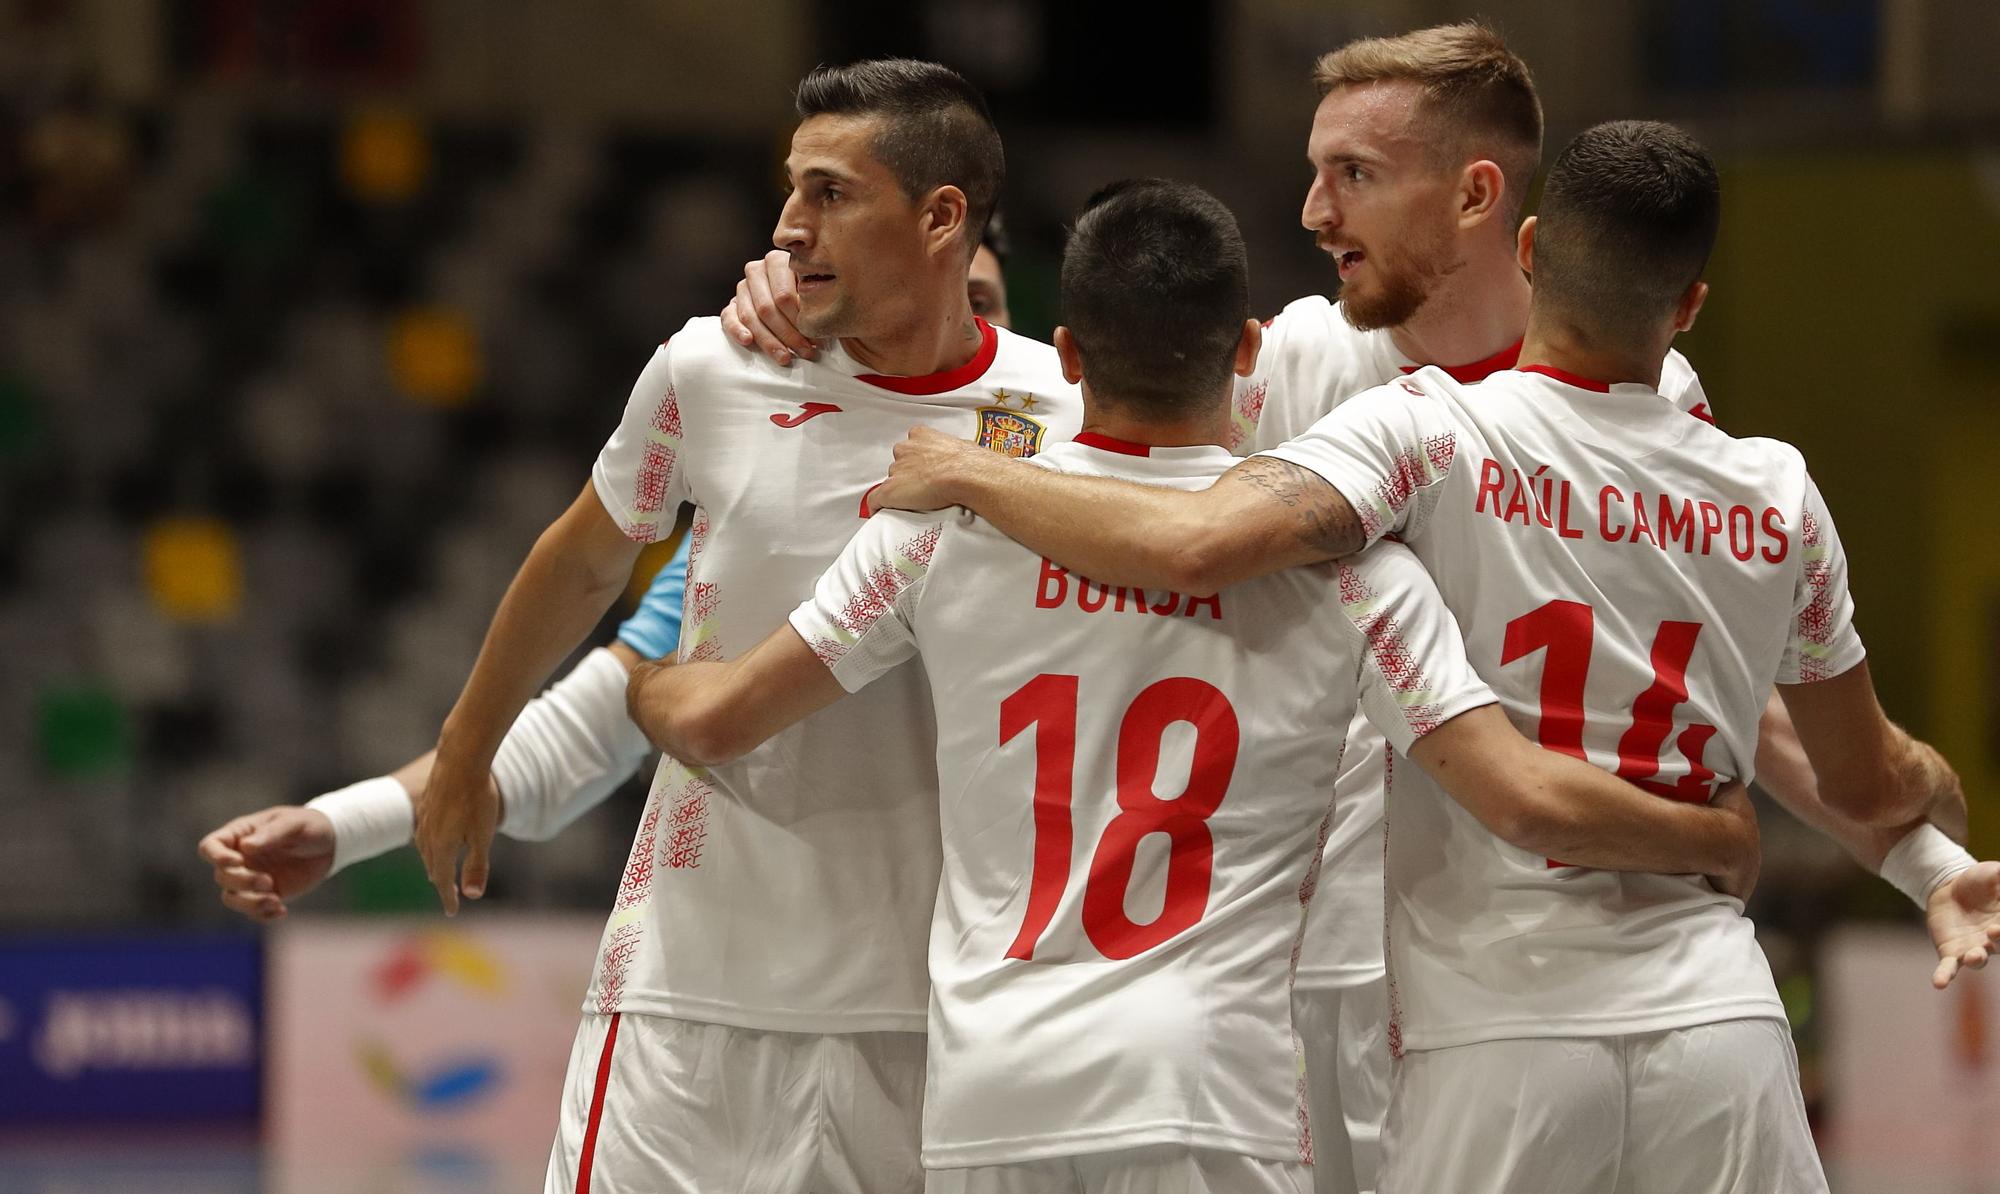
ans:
(1262, 516)
(1564, 808)
(570, 748)
(1926, 861)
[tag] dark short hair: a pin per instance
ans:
(1155, 291)
(995, 238)
(936, 129)
(1627, 220)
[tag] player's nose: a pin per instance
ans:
(1319, 211)
(793, 232)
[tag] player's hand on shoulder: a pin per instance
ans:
(764, 314)
(930, 471)
(268, 857)
(1746, 849)
(1964, 920)
(458, 811)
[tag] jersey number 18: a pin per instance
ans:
(1049, 703)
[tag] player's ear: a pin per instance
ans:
(1690, 306)
(1480, 187)
(944, 220)
(1247, 346)
(1524, 246)
(1070, 356)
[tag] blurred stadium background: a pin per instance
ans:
(313, 312)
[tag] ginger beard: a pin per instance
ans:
(1394, 282)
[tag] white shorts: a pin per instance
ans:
(1345, 1034)
(1159, 1169)
(654, 1105)
(1713, 1109)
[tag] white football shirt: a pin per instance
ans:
(1312, 361)
(1631, 582)
(791, 889)
(1134, 784)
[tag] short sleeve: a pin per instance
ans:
(861, 618)
(1246, 404)
(654, 629)
(1823, 642)
(1388, 452)
(1681, 385)
(638, 474)
(1415, 674)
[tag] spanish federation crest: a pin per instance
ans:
(1009, 432)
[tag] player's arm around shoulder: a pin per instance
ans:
(857, 624)
(1424, 695)
(708, 713)
(1261, 517)
(1560, 807)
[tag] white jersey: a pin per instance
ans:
(790, 890)
(1133, 787)
(1631, 582)
(1312, 361)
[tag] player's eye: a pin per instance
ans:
(981, 305)
(1354, 173)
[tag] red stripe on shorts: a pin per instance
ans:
(596, 1108)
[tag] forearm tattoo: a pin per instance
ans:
(1325, 521)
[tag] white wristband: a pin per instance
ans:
(1923, 861)
(369, 818)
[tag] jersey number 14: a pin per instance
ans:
(1049, 704)
(1567, 631)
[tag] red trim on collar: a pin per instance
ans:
(1570, 379)
(950, 379)
(1479, 370)
(1104, 443)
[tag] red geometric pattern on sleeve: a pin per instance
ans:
(828, 651)
(656, 469)
(1249, 410)
(1408, 473)
(1441, 449)
(919, 550)
(1816, 620)
(877, 595)
(1391, 653)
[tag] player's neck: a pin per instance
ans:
(944, 337)
(1110, 420)
(1558, 345)
(1476, 311)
